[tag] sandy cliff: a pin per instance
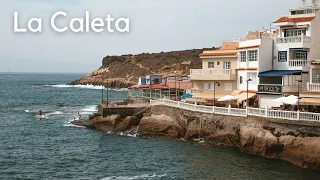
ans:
(125, 70)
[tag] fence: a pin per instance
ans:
(277, 114)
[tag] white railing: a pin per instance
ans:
(313, 87)
(256, 112)
(212, 71)
(276, 114)
(220, 110)
(200, 91)
(283, 40)
(196, 71)
(292, 115)
(306, 116)
(298, 63)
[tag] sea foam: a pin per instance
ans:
(144, 176)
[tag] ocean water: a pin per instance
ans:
(54, 149)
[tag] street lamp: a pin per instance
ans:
(175, 84)
(299, 81)
(214, 92)
(248, 91)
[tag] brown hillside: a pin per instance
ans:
(126, 69)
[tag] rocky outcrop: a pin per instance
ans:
(296, 142)
(160, 126)
(125, 70)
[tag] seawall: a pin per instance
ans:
(294, 141)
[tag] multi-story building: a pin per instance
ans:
(297, 42)
(218, 74)
(254, 56)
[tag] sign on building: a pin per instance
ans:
(272, 89)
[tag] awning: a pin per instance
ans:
(277, 73)
(197, 100)
(310, 101)
(243, 96)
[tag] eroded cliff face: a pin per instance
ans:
(296, 142)
(125, 70)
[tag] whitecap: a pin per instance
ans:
(26, 111)
(144, 176)
(88, 86)
(92, 108)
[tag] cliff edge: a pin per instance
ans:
(125, 70)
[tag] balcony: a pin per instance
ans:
(297, 64)
(313, 87)
(296, 41)
(210, 74)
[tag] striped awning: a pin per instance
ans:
(310, 101)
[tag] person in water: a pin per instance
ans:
(40, 114)
(79, 115)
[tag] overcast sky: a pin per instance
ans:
(155, 26)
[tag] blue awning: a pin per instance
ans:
(277, 73)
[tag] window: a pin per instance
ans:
(226, 65)
(253, 55)
(315, 75)
(241, 79)
(295, 32)
(228, 86)
(282, 56)
(300, 55)
(243, 56)
(210, 64)
(212, 86)
(253, 77)
(206, 86)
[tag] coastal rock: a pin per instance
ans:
(104, 123)
(303, 152)
(127, 123)
(256, 140)
(160, 126)
(221, 138)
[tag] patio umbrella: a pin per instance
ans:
(291, 100)
(279, 100)
(228, 98)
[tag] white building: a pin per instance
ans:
(254, 56)
(297, 42)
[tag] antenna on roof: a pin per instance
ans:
(304, 2)
(315, 3)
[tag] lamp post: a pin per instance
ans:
(175, 84)
(248, 91)
(107, 72)
(299, 81)
(214, 92)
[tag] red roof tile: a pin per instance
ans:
(219, 54)
(297, 19)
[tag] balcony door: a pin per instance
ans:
(295, 32)
(226, 67)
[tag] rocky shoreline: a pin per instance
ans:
(295, 142)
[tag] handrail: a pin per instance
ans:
(277, 114)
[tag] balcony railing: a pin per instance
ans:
(201, 91)
(210, 74)
(313, 87)
(298, 63)
(295, 39)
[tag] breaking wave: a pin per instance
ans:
(145, 176)
(88, 86)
